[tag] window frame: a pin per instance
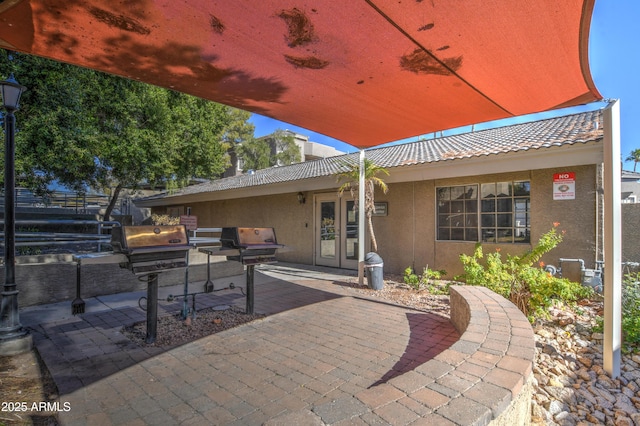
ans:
(502, 212)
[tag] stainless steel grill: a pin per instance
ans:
(251, 246)
(254, 245)
(146, 251)
(152, 249)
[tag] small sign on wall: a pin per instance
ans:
(380, 209)
(190, 222)
(564, 186)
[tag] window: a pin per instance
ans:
(500, 213)
(505, 212)
(458, 213)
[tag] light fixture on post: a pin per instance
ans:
(301, 198)
(14, 339)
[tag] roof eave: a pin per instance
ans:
(569, 155)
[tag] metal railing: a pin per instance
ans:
(74, 240)
(80, 202)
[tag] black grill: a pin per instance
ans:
(254, 245)
(251, 246)
(152, 249)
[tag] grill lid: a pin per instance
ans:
(254, 245)
(152, 249)
(249, 238)
(149, 238)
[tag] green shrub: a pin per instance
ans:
(630, 313)
(529, 287)
(631, 309)
(411, 279)
(427, 280)
(164, 219)
(28, 250)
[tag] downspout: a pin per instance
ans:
(599, 211)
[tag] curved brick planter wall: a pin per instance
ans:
(486, 377)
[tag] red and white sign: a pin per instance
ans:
(564, 186)
(191, 222)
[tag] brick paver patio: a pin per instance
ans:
(323, 355)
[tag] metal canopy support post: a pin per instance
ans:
(361, 225)
(612, 241)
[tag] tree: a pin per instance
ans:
(158, 135)
(277, 149)
(52, 133)
(239, 129)
(286, 150)
(351, 179)
(255, 154)
(87, 129)
(635, 157)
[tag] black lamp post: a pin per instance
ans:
(14, 339)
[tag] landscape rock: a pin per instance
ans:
(572, 387)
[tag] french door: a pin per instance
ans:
(336, 232)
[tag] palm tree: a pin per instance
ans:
(351, 178)
(635, 157)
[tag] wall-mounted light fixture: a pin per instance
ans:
(301, 198)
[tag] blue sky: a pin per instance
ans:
(614, 61)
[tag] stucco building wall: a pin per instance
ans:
(578, 218)
(407, 237)
(631, 232)
(292, 221)
(407, 234)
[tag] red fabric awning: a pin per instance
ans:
(364, 72)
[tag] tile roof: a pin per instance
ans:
(628, 174)
(564, 130)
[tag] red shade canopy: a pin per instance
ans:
(362, 71)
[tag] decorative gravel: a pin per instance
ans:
(173, 330)
(397, 292)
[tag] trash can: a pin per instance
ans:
(373, 265)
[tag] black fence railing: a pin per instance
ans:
(79, 202)
(55, 236)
